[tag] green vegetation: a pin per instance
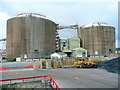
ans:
(35, 84)
(11, 59)
(10, 86)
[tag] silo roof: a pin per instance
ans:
(95, 24)
(33, 15)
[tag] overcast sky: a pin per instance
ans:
(63, 12)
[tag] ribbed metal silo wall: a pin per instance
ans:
(15, 37)
(98, 39)
(31, 36)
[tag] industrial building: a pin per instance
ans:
(2, 53)
(30, 35)
(58, 55)
(71, 47)
(69, 43)
(117, 50)
(98, 38)
(63, 45)
(79, 52)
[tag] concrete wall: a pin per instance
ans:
(31, 36)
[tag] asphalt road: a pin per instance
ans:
(70, 78)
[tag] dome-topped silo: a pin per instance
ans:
(30, 35)
(98, 38)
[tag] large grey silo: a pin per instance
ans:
(98, 38)
(31, 35)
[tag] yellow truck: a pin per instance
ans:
(83, 63)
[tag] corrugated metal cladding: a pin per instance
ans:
(31, 36)
(73, 42)
(98, 40)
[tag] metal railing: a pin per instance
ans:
(54, 84)
(22, 79)
(52, 81)
(4, 68)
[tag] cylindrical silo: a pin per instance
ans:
(98, 39)
(30, 35)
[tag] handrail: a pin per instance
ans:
(54, 83)
(50, 78)
(23, 78)
(16, 67)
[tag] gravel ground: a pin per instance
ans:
(35, 84)
(111, 65)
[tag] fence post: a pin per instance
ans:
(33, 79)
(44, 78)
(10, 81)
(23, 81)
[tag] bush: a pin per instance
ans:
(11, 59)
(3, 58)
